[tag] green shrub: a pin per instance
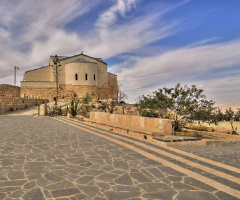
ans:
(72, 107)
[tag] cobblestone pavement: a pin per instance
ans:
(60, 158)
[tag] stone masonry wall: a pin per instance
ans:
(80, 91)
(10, 99)
(154, 124)
(39, 92)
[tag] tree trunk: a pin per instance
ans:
(231, 122)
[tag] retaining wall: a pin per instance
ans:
(153, 124)
(10, 99)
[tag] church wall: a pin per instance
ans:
(41, 82)
(41, 92)
(40, 74)
(81, 90)
(38, 84)
(102, 68)
(81, 69)
(113, 86)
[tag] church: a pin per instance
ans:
(75, 77)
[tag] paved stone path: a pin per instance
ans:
(60, 158)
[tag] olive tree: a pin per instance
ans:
(182, 101)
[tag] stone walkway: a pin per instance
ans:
(60, 158)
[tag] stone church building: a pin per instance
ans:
(78, 75)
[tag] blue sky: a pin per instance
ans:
(149, 44)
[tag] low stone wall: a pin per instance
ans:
(153, 124)
(10, 99)
(126, 110)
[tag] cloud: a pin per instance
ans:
(110, 16)
(187, 64)
(31, 31)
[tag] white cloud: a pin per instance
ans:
(110, 16)
(31, 31)
(186, 65)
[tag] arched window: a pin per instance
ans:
(86, 76)
(94, 77)
(76, 77)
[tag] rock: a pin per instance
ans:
(221, 129)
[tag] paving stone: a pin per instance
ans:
(14, 175)
(18, 167)
(12, 183)
(90, 191)
(35, 193)
(94, 172)
(85, 179)
(52, 177)
(102, 185)
(36, 165)
(100, 198)
(124, 180)
(168, 194)
(120, 165)
(106, 177)
(30, 185)
(174, 178)
(42, 182)
(65, 192)
(119, 172)
(112, 195)
(81, 196)
(121, 188)
(195, 195)
(47, 193)
(16, 194)
(60, 185)
(60, 172)
(195, 183)
(7, 162)
(170, 171)
(182, 186)
(2, 196)
(62, 160)
(149, 187)
(224, 196)
(140, 177)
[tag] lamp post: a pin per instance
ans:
(15, 71)
(56, 61)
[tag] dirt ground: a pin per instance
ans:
(210, 136)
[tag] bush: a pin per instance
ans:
(72, 107)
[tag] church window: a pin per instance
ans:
(76, 77)
(94, 77)
(86, 76)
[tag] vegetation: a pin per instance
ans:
(176, 103)
(73, 107)
(232, 116)
(108, 107)
(121, 95)
(87, 99)
(184, 104)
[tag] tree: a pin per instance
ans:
(232, 116)
(121, 95)
(184, 103)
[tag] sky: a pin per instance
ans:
(149, 44)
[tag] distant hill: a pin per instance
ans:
(234, 105)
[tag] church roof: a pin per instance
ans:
(59, 57)
(65, 58)
(82, 61)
